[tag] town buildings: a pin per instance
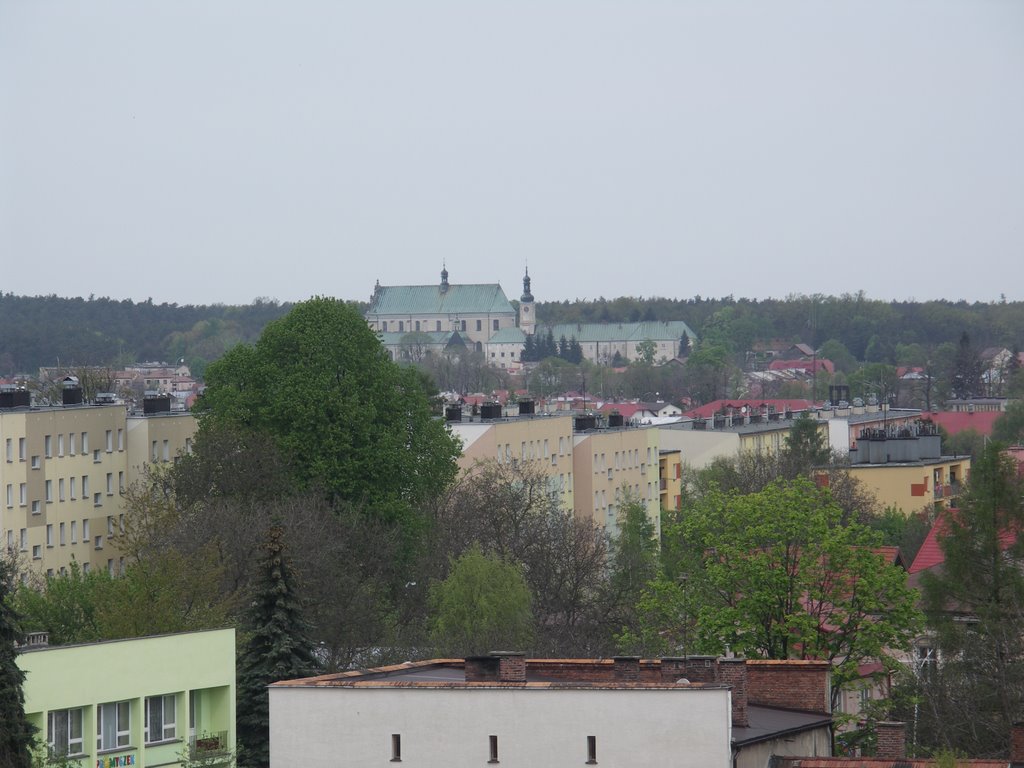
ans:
(64, 469)
(141, 702)
(504, 708)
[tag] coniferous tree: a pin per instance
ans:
(563, 348)
(278, 648)
(529, 354)
(575, 351)
(16, 733)
(684, 345)
(965, 381)
(550, 348)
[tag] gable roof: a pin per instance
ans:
(931, 555)
(618, 332)
(431, 300)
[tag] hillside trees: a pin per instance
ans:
(319, 386)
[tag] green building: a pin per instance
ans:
(140, 702)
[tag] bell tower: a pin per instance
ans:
(527, 320)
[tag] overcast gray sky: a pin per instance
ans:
(202, 151)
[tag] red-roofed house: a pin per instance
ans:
(810, 367)
(957, 421)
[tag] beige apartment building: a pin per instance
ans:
(612, 465)
(63, 471)
(544, 442)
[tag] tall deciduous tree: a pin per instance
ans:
(483, 605)
(319, 385)
(276, 648)
(776, 575)
(975, 604)
(17, 736)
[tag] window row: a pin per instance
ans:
(63, 489)
(74, 440)
(416, 325)
(64, 727)
(492, 749)
(64, 529)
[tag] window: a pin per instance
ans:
(73, 481)
(591, 750)
(417, 325)
(120, 481)
(85, 486)
(23, 539)
(60, 444)
(74, 531)
(384, 326)
(37, 552)
(36, 464)
(64, 731)
(462, 326)
(63, 538)
(97, 499)
(35, 507)
(113, 723)
(10, 495)
(49, 534)
(110, 525)
(109, 440)
(396, 747)
(49, 491)
(86, 567)
(495, 325)
(155, 453)
(479, 325)
(110, 483)
(71, 443)
(22, 494)
(437, 326)
(98, 544)
(48, 446)
(10, 539)
(10, 449)
(96, 456)
(493, 744)
(160, 718)
(401, 326)
(21, 449)
(120, 439)
(188, 445)
(85, 531)
(167, 450)
(60, 489)
(85, 442)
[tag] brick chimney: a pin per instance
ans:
(733, 672)
(1017, 745)
(496, 667)
(892, 740)
(627, 668)
(511, 666)
(790, 684)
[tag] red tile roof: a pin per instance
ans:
(957, 421)
(710, 409)
(930, 554)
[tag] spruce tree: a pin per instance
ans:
(277, 648)
(16, 733)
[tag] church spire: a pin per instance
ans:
(527, 296)
(444, 277)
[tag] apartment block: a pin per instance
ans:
(63, 471)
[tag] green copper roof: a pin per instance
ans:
(431, 300)
(609, 332)
(513, 335)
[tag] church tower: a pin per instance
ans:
(527, 321)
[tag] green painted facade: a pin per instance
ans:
(182, 686)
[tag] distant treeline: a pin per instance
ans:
(868, 328)
(47, 330)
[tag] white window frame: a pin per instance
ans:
(161, 705)
(71, 739)
(119, 734)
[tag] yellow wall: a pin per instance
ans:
(912, 487)
(609, 463)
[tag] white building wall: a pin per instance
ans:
(449, 727)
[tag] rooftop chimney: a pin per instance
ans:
(733, 672)
(702, 669)
(892, 740)
(511, 666)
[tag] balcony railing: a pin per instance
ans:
(208, 745)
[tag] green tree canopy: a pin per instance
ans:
(776, 575)
(319, 385)
(1009, 427)
(483, 605)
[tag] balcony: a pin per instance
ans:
(208, 745)
(663, 483)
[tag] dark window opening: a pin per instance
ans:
(494, 749)
(591, 750)
(396, 747)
